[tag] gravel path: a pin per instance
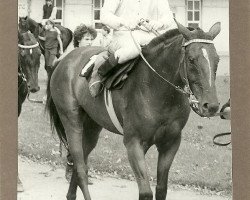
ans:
(42, 182)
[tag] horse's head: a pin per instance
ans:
(27, 24)
(200, 66)
(29, 59)
(23, 24)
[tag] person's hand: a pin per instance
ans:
(129, 24)
(61, 52)
(153, 25)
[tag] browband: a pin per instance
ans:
(197, 40)
(28, 46)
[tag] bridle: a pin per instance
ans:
(30, 47)
(193, 102)
(24, 79)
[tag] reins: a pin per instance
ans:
(220, 135)
(179, 89)
(193, 102)
(186, 91)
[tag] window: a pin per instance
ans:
(59, 13)
(193, 13)
(97, 9)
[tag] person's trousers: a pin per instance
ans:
(124, 45)
(50, 56)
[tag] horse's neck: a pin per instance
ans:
(166, 61)
(33, 25)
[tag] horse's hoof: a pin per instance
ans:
(69, 172)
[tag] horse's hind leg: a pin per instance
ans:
(89, 140)
(166, 155)
(72, 119)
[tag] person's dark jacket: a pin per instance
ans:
(47, 10)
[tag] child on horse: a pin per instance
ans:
(52, 41)
(124, 16)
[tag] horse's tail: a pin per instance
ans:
(55, 120)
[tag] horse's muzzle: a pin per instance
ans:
(34, 89)
(209, 109)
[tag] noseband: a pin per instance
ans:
(193, 102)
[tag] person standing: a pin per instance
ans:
(52, 41)
(49, 11)
(104, 38)
(84, 36)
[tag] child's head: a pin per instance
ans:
(48, 2)
(49, 24)
(84, 35)
(105, 30)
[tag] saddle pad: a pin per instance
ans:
(89, 55)
(115, 79)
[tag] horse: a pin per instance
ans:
(29, 54)
(28, 65)
(26, 23)
(22, 94)
(152, 106)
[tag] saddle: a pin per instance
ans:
(116, 77)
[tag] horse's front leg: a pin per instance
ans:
(136, 156)
(166, 155)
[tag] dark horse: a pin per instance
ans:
(150, 110)
(28, 65)
(28, 24)
(29, 54)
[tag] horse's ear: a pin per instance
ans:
(183, 30)
(215, 30)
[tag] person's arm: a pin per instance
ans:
(53, 13)
(43, 11)
(60, 44)
(108, 16)
(165, 15)
(41, 38)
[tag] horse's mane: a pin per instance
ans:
(165, 37)
(169, 36)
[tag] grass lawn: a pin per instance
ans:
(198, 162)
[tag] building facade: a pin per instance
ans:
(202, 13)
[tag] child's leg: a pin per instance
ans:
(46, 58)
(52, 57)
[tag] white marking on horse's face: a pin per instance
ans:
(205, 54)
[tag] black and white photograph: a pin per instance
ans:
(124, 99)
